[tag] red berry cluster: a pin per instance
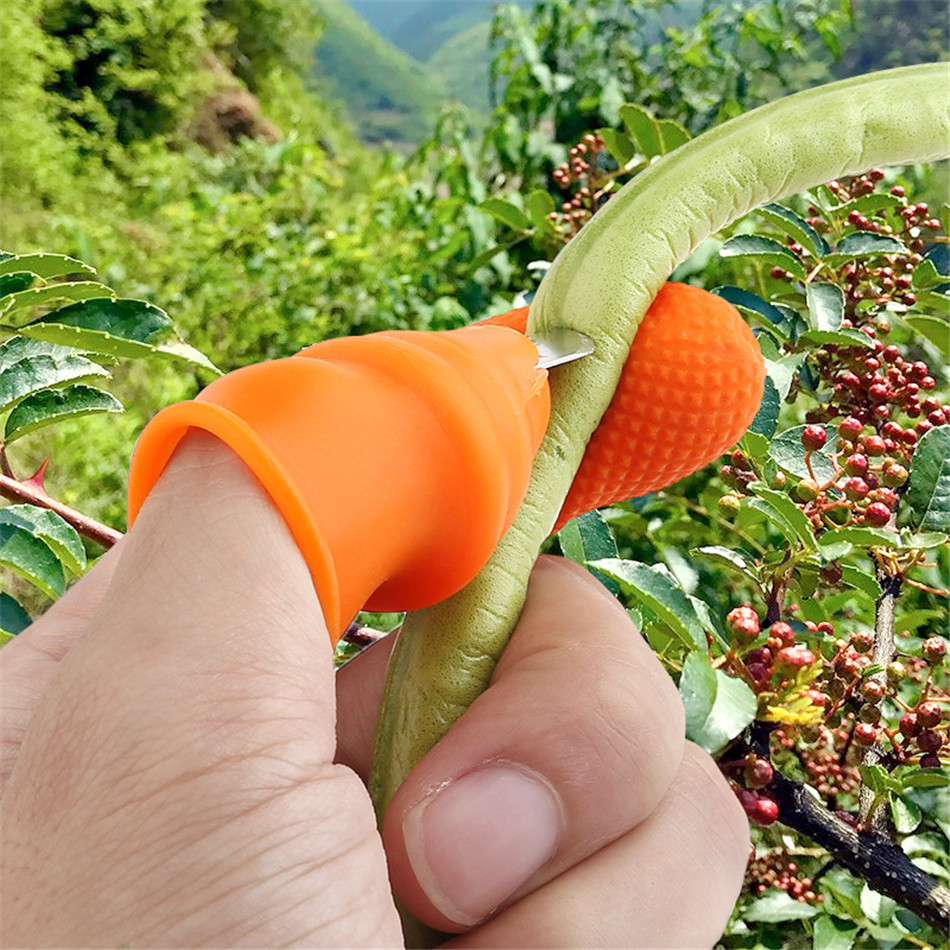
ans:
(778, 869)
(923, 727)
(880, 398)
(770, 665)
(587, 186)
(905, 219)
(877, 386)
(869, 471)
(831, 774)
(840, 697)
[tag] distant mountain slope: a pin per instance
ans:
(389, 95)
(422, 33)
(462, 64)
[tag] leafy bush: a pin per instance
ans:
(797, 609)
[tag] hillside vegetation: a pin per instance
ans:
(185, 151)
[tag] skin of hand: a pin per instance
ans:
(182, 767)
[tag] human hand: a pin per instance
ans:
(175, 771)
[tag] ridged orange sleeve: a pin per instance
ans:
(397, 459)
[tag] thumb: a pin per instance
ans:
(209, 636)
(175, 785)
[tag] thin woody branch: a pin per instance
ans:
(869, 854)
(883, 652)
(27, 493)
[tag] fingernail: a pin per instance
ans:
(477, 840)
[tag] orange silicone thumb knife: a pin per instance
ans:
(397, 459)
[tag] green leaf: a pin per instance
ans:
(913, 777)
(30, 557)
(505, 212)
(751, 303)
(27, 366)
(59, 535)
(781, 370)
(587, 538)
(777, 906)
(180, 352)
(135, 320)
(13, 283)
(785, 514)
(825, 306)
(926, 504)
(924, 540)
(867, 204)
(860, 580)
(789, 453)
(16, 309)
(672, 134)
(833, 933)
(926, 275)
(754, 444)
(860, 537)
(45, 265)
(935, 329)
(697, 689)
(878, 779)
(658, 592)
(643, 129)
(765, 249)
(540, 204)
(846, 337)
(845, 893)
(620, 146)
(56, 405)
(13, 618)
(731, 559)
(733, 709)
(795, 227)
(766, 419)
(905, 814)
(122, 327)
(860, 244)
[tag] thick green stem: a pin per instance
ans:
(602, 284)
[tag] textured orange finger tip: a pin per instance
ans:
(691, 386)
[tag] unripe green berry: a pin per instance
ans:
(729, 503)
(896, 672)
(894, 476)
(807, 490)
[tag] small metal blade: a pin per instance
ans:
(561, 345)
